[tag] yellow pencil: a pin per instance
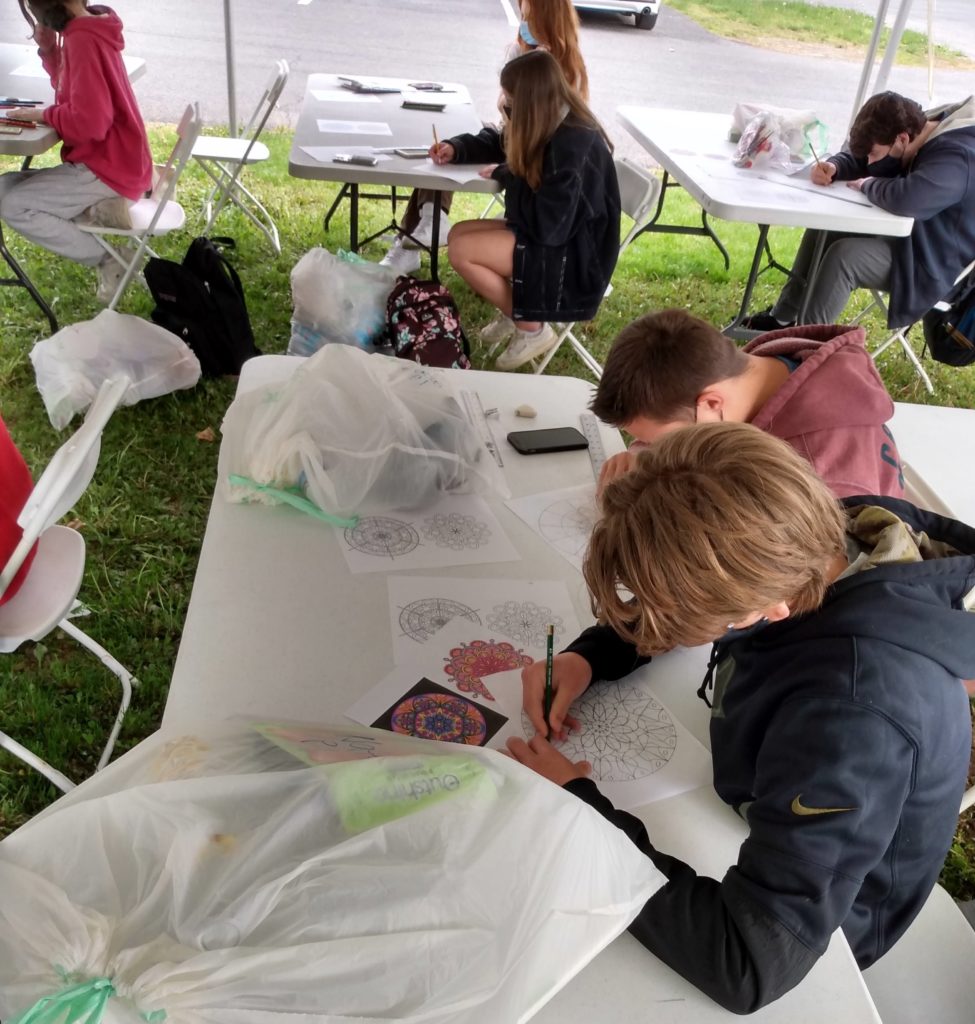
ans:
(436, 141)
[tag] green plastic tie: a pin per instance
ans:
(83, 1003)
(289, 497)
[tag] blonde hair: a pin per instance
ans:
(716, 522)
(555, 24)
(541, 100)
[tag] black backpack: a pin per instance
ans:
(202, 301)
(423, 324)
(949, 328)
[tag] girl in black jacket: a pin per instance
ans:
(552, 256)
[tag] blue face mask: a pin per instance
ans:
(526, 35)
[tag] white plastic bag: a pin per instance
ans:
(778, 137)
(356, 434)
(337, 299)
(436, 886)
(71, 365)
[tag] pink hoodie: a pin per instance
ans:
(15, 488)
(95, 111)
(833, 409)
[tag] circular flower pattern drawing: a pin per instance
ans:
(525, 622)
(380, 535)
(469, 663)
(456, 531)
(625, 735)
(440, 716)
(420, 619)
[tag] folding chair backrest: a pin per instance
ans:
(639, 191)
(187, 132)
(265, 105)
(66, 477)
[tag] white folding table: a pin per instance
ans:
(23, 77)
(382, 125)
(277, 626)
(694, 150)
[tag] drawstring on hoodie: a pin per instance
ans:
(708, 683)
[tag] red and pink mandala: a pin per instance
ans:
(469, 663)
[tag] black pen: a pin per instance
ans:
(13, 101)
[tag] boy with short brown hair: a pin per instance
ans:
(840, 730)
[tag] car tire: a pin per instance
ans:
(646, 19)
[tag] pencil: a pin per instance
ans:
(550, 640)
(436, 141)
(814, 153)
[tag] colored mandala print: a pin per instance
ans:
(439, 716)
(419, 620)
(456, 531)
(469, 663)
(625, 735)
(525, 622)
(379, 535)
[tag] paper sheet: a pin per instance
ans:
(342, 96)
(461, 173)
(29, 71)
(456, 530)
(429, 613)
(562, 518)
(330, 127)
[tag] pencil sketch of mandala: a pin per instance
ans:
(455, 530)
(626, 734)
(567, 525)
(382, 536)
(525, 622)
(420, 619)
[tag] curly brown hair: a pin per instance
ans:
(881, 119)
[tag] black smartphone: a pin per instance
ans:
(423, 105)
(551, 439)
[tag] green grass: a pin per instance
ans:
(144, 515)
(785, 24)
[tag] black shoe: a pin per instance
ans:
(764, 321)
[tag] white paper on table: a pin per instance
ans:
(461, 173)
(456, 530)
(30, 71)
(325, 154)
(330, 127)
(564, 518)
(427, 612)
(639, 751)
(450, 99)
(342, 96)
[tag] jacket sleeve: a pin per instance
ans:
(51, 62)
(609, 655)
(939, 179)
(482, 148)
(89, 112)
(848, 167)
(753, 936)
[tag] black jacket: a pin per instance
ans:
(567, 232)
(843, 738)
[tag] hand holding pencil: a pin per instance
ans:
(823, 171)
(570, 678)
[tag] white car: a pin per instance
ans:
(644, 11)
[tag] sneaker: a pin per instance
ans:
(402, 260)
(764, 321)
(525, 346)
(423, 232)
(499, 330)
(110, 272)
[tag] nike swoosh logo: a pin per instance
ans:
(798, 807)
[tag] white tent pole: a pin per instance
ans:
(895, 40)
(228, 35)
(878, 27)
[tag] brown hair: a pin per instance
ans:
(881, 119)
(716, 522)
(540, 100)
(658, 366)
(555, 24)
(51, 14)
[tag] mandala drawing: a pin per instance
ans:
(626, 734)
(434, 716)
(525, 622)
(469, 663)
(379, 535)
(455, 530)
(566, 525)
(419, 620)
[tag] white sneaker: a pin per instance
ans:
(499, 330)
(423, 232)
(110, 272)
(525, 346)
(401, 259)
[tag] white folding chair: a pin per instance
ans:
(47, 594)
(223, 160)
(638, 200)
(929, 975)
(156, 215)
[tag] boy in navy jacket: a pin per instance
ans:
(840, 729)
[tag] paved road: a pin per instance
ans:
(678, 64)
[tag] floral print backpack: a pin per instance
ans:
(423, 324)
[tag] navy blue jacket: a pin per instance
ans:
(567, 232)
(938, 191)
(856, 708)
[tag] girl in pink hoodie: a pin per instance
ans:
(105, 153)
